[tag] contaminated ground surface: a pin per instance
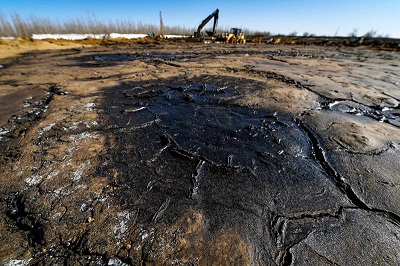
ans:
(200, 154)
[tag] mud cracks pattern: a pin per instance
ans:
(234, 166)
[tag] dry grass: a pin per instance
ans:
(18, 26)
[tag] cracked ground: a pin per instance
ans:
(193, 154)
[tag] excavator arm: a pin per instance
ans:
(206, 20)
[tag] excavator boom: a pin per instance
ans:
(206, 20)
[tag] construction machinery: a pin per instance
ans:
(235, 35)
(210, 34)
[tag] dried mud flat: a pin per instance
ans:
(189, 154)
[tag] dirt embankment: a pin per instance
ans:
(196, 154)
(12, 48)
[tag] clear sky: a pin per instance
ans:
(321, 17)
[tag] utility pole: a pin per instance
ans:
(161, 26)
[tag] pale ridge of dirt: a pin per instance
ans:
(12, 48)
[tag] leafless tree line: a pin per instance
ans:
(19, 26)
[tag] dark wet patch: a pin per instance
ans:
(137, 56)
(184, 144)
(98, 60)
(115, 57)
(21, 122)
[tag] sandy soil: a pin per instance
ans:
(13, 48)
(199, 154)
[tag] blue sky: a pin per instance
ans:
(321, 17)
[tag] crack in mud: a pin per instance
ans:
(179, 150)
(322, 157)
(28, 222)
(279, 224)
(196, 180)
(326, 259)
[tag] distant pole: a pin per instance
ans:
(161, 26)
